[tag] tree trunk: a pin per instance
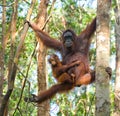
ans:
(2, 48)
(43, 109)
(102, 58)
(117, 82)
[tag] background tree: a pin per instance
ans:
(14, 55)
(117, 84)
(102, 58)
(43, 109)
(2, 43)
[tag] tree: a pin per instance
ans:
(117, 81)
(41, 56)
(102, 58)
(14, 53)
(2, 49)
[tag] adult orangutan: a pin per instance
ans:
(72, 48)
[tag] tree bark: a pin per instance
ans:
(102, 58)
(12, 49)
(117, 81)
(2, 49)
(43, 109)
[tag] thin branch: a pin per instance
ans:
(24, 32)
(24, 81)
(51, 9)
(29, 95)
(19, 111)
(26, 2)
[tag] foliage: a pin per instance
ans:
(66, 14)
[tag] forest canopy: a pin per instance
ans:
(24, 66)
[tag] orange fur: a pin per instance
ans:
(77, 52)
(59, 70)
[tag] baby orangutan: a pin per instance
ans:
(59, 70)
